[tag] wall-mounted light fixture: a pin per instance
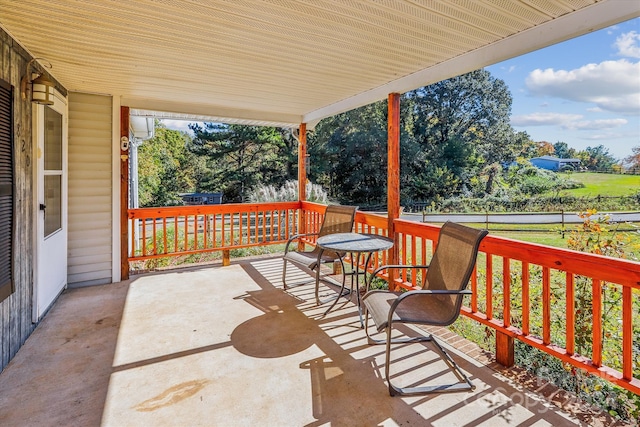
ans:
(41, 87)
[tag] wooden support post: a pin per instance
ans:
(504, 349)
(226, 257)
(302, 179)
(124, 196)
(393, 176)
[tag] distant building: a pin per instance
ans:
(201, 198)
(555, 164)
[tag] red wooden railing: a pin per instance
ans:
(184, 230)
(522, 290)
(496, 290)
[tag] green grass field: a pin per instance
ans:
(604, 184)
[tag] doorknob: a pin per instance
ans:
(43, 206)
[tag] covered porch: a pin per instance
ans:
(220, 346)
(228, 346)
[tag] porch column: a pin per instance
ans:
(393, 175)
(302, 178)
(302, 159)
(124, 195)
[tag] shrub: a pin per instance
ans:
(287, 193)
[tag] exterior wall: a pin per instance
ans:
(90, 193)
(551, 165)
(16, 310)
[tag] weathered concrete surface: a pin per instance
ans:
(228, 347)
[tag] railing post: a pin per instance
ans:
(504, 349)
(393, 176)
(302, 179)
(226, 257)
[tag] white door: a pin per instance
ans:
(50, 130)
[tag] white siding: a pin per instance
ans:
(90, 200)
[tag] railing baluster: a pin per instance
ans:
(489, 287)
(271, 234)
(596, 357)
(546, 305)
(186, 232)
(155, 246)
(286, 223)
(164, 234)
(414, 260)
(224, 232)
(506, 293)
(214, 231)
(570, 306)
(195, 231)
(526, 304)
(176, 233)
(403, 248)
(474, 290)
(423, 260)
(144, 236)
(231, 227)
(205, 231)
(256, 237)
(627, 334)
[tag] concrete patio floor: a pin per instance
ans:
(227, 346)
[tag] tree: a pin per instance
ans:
(166, 167)
(597, 158)
(545, 148)
(240, 157)
(460, 125)
(348, 155)
(449, 131)
(633, 161)
(562, 150)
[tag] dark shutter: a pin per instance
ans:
(6, 190)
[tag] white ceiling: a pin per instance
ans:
(285, 61)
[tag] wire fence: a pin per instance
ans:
(523, 204)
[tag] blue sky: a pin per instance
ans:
(585, 91)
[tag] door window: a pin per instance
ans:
(52, 171)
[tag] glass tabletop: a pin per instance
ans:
(354, 242)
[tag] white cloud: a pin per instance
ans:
(594, 110)
(628, 44)
(604, 136)
(595, 124)
(544, 119)
(611, 85)
(566, 121)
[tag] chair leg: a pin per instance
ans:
(284, 274)
(464, 383)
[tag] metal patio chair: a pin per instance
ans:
(337, 219)
(437, 303)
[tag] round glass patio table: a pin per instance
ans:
(353, 243)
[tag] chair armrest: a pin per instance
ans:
(421, 292)
(296, 237)
(395, 266)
